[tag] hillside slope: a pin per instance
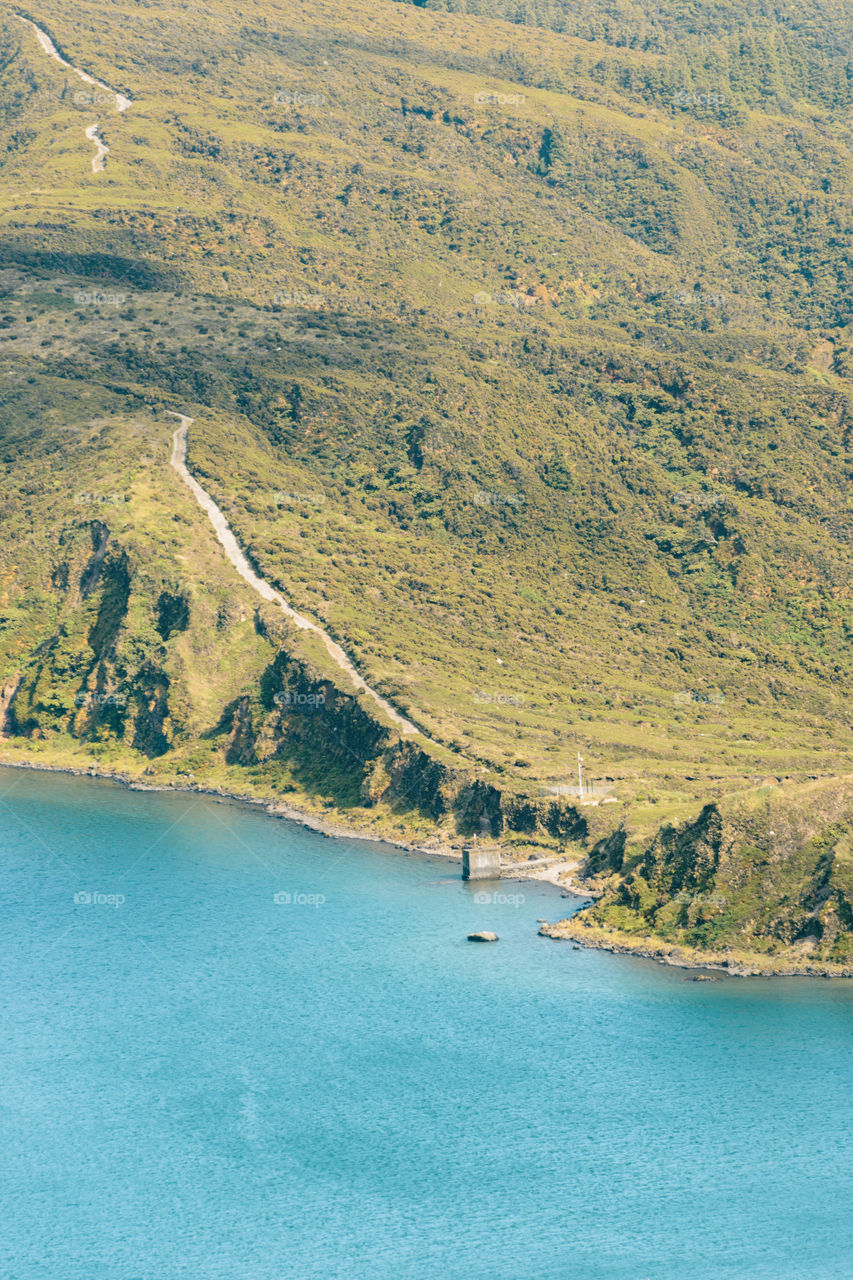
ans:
(520, 358)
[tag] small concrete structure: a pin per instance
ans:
(481, 864)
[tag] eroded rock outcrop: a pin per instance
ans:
(772, 876)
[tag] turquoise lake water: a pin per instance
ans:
(200, 1081)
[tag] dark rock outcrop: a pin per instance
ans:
(774, 878)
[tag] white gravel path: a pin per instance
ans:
(122, 103)
(241, 564)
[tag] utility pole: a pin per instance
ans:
(580, 779)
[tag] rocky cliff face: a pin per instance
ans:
(7, 693)
(135, 666)
(97, 676)
(322, 732)
(774, 878)
(146, 669)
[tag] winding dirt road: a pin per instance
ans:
(245, 570)
(122, 103)
(103, 150)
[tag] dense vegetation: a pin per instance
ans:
(519, 340)
(761, 882)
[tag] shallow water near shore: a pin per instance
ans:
(236, 1050)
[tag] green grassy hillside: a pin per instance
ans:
(519, 345)
(762, 884)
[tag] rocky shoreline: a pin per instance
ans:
(559, 873)
(735, 964)
(275, 808)
(433, 846)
